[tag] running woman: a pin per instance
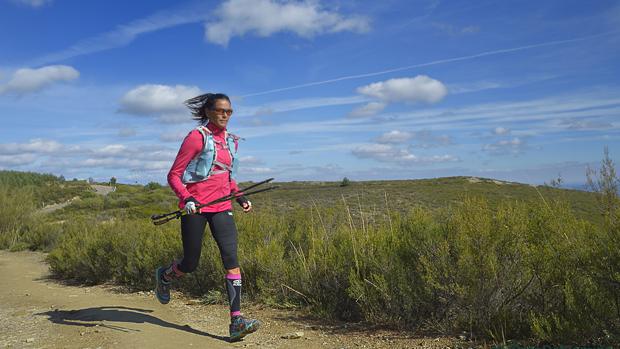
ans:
(204, 171)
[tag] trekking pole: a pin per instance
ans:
(166, 217)
(224, 198)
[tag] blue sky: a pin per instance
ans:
(513, 90)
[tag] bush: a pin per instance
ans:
(497, 269)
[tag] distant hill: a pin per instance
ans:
(400, 195)
(433, 193)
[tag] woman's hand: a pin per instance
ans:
(245, 203)
(190, 205)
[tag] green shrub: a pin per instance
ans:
(499, 269)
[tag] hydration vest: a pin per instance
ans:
(202, 166)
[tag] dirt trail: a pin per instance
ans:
(99, 189)
(38, 312)
(102, 189)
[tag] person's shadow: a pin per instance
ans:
(90, 317)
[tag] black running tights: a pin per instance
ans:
(224, 232)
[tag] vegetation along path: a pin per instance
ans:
(39, 312)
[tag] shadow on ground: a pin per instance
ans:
(90, 317)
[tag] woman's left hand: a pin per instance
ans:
(245, 203)
(247, 206)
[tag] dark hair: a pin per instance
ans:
(200, 104)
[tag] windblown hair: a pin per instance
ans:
(200, 104)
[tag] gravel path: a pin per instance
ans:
(39, 312)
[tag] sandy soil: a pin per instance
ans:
(39, 312)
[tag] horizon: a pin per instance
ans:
(397, 90)
(562, 185)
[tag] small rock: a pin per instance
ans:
(29, 340)
(293, 335)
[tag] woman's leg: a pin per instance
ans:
(192, 230)
(224, 232)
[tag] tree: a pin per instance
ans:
(113, 181)
(345, 182)
(606, 184)
(556, 182)
(152, 186)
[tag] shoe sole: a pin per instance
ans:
(246, 331)
(157, 281)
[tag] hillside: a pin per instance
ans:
(442, 255)
(137, 201)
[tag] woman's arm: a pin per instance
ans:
(192, 145)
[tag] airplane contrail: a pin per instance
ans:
(441, 61)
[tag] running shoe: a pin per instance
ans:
(162, 288)
(240, 327)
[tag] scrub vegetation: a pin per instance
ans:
(494, 259)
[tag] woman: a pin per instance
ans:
(203, 171)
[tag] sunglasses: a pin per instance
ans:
(222, 111)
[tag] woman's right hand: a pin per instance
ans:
(190, 205)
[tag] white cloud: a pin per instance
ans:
(33, 3)
(27, 80)
(369, 109)
(395, 137)
(111, 150)
(501, 131)
(576, 124)
(391, 154)
(250, 160)
(532, 117)
(267, 17)
(122, 163)
(507, 146)
(7, 161)
(410, 90)
(427, 139)
(256, 170)
(158, 100)
(52, 156)
(34, 146)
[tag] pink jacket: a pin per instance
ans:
(216, 186)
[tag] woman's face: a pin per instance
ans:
(220, 113)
